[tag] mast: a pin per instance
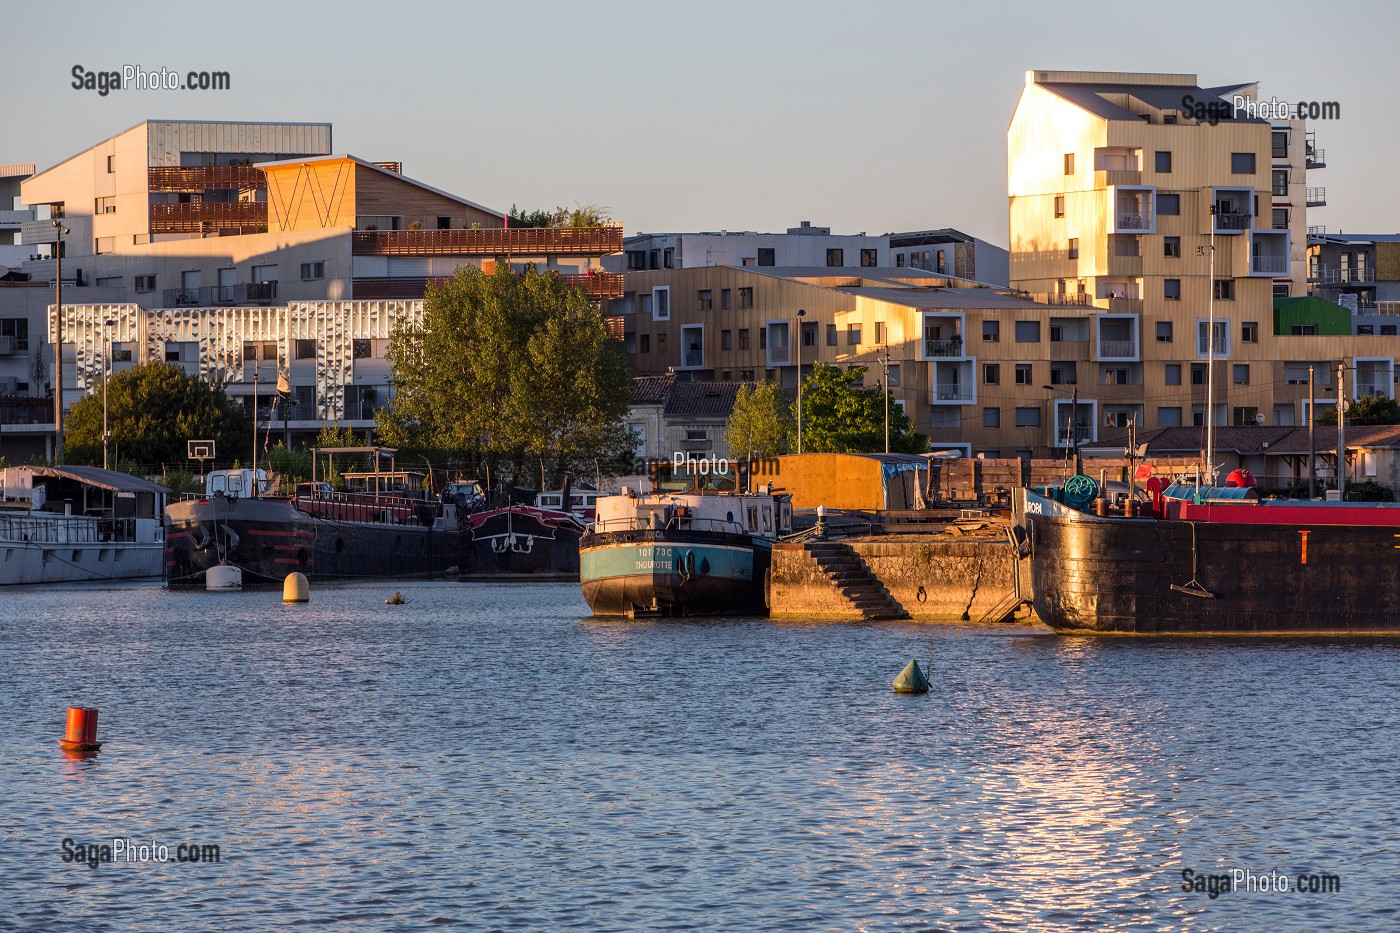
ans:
(1210, 361)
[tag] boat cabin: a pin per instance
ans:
(235, 484)
(759, 514)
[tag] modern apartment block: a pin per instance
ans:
(946, 252)
(1360, 271)
(13, 216)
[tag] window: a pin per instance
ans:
(661, 304)
(1280, 144)
(1280, 218)
(16, 328)
(1073, 251)
(1028, 332)
(1023, 374)
(1164, 331)
(766, 256)
(1388, 330)
(809, 333)
(1171, 247)
(1069, 163)
(1169, 417)
(1280, 182)
(1028, 417)
(726, 340)
(1249, 332)
(1171, 289)
(1063, 374)
(1173, 374)
(745, 298)
(646, 343)
(661, 343)
(263, 274)
(1114, 377)
(668, 258)
(1164, 162)
(654, 259)
(835, 257)
(1242, 163)
(763, 338)
(746, 375)
(104, 244)
(106, 206)
(1241, 375)
(991, 374)
(310, 271)
(869, 258)
(1365, 330)
(831, 335)
(894, 375)
(108, 281)
(145, 283)
(1168, 204)
(706, 299)
(853, 335)
(111, 164)
(361, 349)
(304, 349)
(724, 299)
(636, 259)
(743, 338)
(991, 417)
(991, 331)
(1245, 415)
(1304, 330)
(1059, 205)
(1198, 374)
(1222, 338)
(1057, 333)
(444, 223)
(1224, 289)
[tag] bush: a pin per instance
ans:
(1369, 491)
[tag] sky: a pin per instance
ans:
(864, 117)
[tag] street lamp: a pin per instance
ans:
(59, 231)
(885, 364)
(801, 313)
(1072, 435)
(106, 381)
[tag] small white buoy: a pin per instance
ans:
(295, 589)
(223, 577)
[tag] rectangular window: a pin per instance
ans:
(1365, 330)
(1028, 417)
(1304, 330)
(661, 304)
(1249, 332)
(705, 299)
(1171, 289)
(879, 334)
(1073, 251)
(1224, 289)
(145, 283)
(304, 349)
(835, 257)
(1241, 375)
(831, 335)
(991, 417)
(444, 223)
(1069, 163)
(1023, 374)
(766, 256)
(661, 343)
(726, 340)
(1164, 162)
(1164, 331)
(106, 206)
(668, 258)
(868, 258)
(991, 374)
(16, 328)
(646, 343)
(1171, 247)
(361, 349)
(1245, 415)
(262, 274)
(1114, 377)
(724, 299)
(1173, 374)
(743, 338)
(809, 333)
(111, 164)
(1280, 218)
(1168, 204)
(108, 281)
(1169, 417)
(1059, 205)
(991, 331)
(1242, 163)
(311, 271)
(763, 338)
(894, 375)
(745, 298)
(1057, 333)
(636, 259)
(1028, 332)
(1280, 182)
(104, 244)
(853, 335)
(1198, 374)
(1280, 147)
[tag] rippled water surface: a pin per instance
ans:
(487, 757)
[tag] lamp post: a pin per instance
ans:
(106, 382)
(801, 313)
(885, 364)
(1312, 444)
(1342, 431)
(59, 231)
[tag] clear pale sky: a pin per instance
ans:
(700, 116)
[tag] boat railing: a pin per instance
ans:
(66, 529)
(374, 508)
(681, 523)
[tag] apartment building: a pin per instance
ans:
(13, 216)
(1360, 271)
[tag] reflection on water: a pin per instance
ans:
(486, 757)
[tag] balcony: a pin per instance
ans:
(13, 219)
(953, 392)
(944, 348)
(193, 179)
(1269, 265)
(209, 216)
(1316, 158)
(1333, 276)
(1132, 209)
(1233, 222)
(600, 285)
(1117, 349)
(1316, 197)
(1377, 388)
(247, 293)
(529, 241)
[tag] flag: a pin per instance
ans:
(283, 386)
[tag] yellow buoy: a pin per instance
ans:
(295, 589)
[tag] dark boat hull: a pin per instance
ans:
(519, 542)
(268, 539)
(672, 572)
(1145, 576)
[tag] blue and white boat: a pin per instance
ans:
(682, 553)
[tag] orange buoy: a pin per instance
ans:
(82, 730)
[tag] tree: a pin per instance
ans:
(840, 415)
(1369, 409)
(153, 409)
(580, 215)
(761, 424)
(509, 366)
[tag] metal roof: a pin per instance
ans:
(1163, 97)
(96, 476)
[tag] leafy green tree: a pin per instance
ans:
(510, 367)
(153, 409)
(761, 424)
(840, 415)
(1369, 409)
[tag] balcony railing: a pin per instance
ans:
(1316, 158)
(951, 347)
(1331, 276)
(601, 285)
(195, 178)
(778, 356)
(261, 293)
(952, 392)
(1117, 349)
(208, 216)
(1382, 389)
(1134, 220)
(1316, 197)
(1234, 221)
(15, 218)
(1270, 265)
(529, 241)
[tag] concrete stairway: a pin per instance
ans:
(849, 574)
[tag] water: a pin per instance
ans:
(485, 757)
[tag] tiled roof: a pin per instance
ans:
(651, 390)
(1325, 437)
(702, 398)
